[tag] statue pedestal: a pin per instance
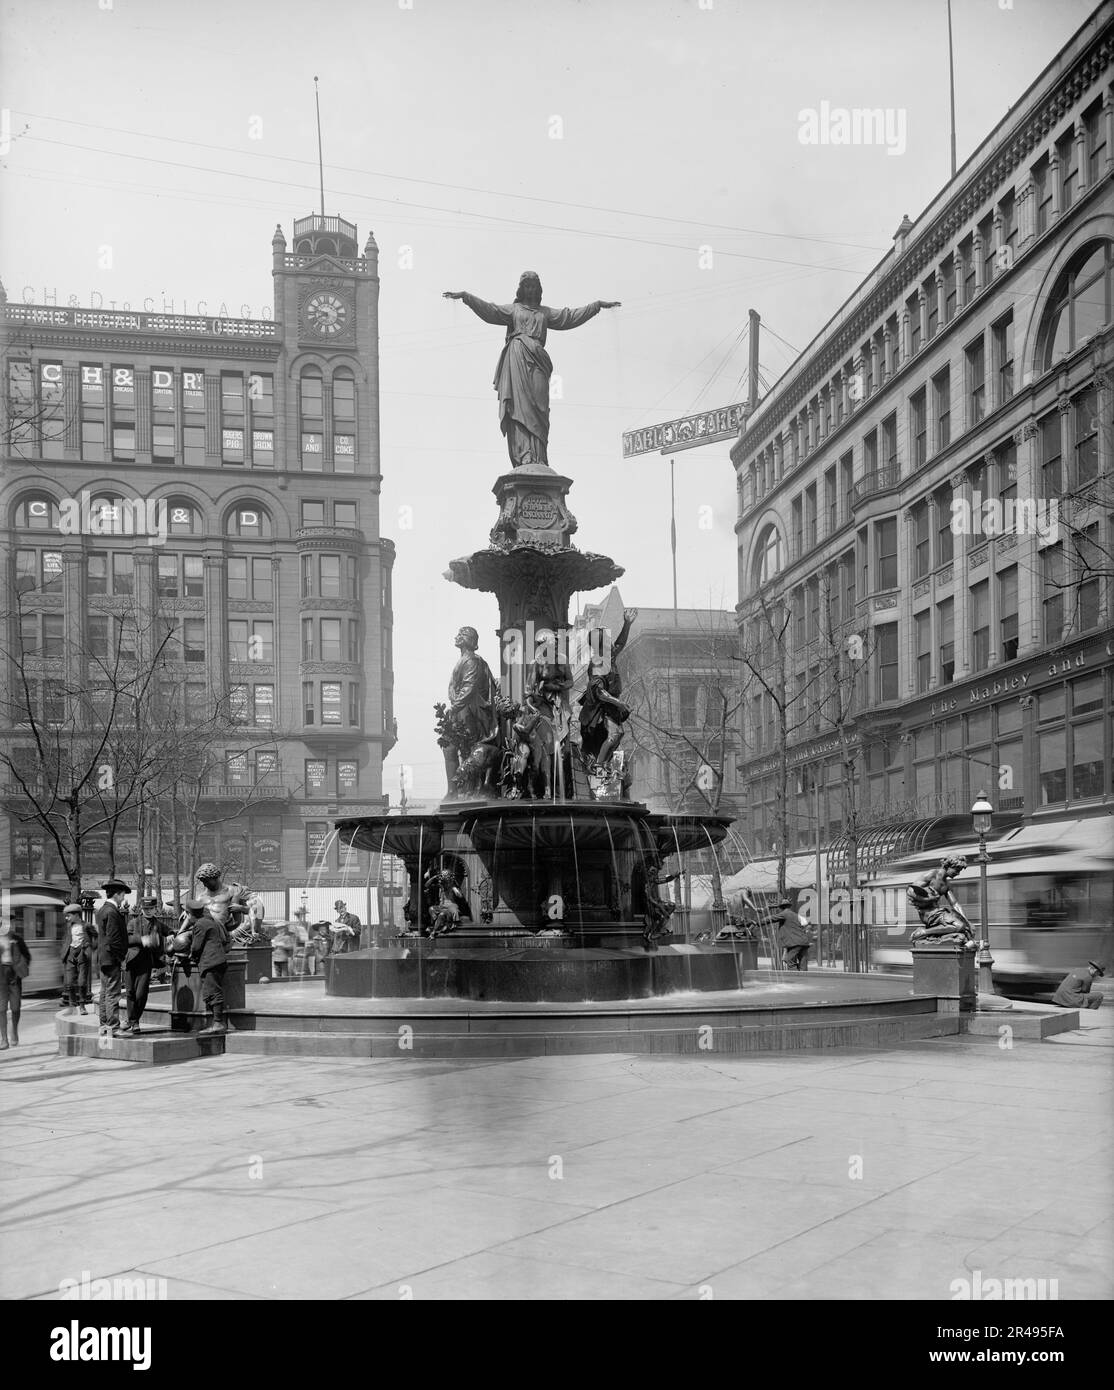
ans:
(532, 508)
(187, 1009)
(948, 972)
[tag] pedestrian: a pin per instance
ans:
(317, 947)
(344, 930)
(209, 950)
(1074, 990)
(792, 936)
(282, 943)
(15, 962)
(112, 950)
(77, 958)
(144, 954)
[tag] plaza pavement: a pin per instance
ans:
(817, 1175)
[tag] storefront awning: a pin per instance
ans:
(877, 846)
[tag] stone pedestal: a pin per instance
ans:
(187, 1010)
(948, 972)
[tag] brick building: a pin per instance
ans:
(213, 484)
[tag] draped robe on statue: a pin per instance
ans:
(522, 376)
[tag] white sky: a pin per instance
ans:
(131, 125)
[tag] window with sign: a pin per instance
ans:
(265, 706)
(330, 702)
(182, 519)
(250, 521)
(123, 388)
(263, 448)
(37, 514)
(51, 572)
(348, 776)
(193, 390)
(92, 384)
(266, 844)
(317, 840)
(266, 765)
(232, 445)
(344, 453)
(238, 704)
(316, 774)
(313, 447)
(162, 390)
(236, 770)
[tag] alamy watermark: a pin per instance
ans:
(838, 125)
(115, 1289)
(844, 907)
(124, 516)
(558, 646)
(979, 1288)
(993, 516)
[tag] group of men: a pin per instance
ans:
(129, 949)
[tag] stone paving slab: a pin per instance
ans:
(865, 1173)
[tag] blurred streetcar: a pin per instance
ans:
(36, 908)
(1050, 899)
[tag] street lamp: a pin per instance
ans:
(981, 815)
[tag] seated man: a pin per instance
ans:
(1074, 990)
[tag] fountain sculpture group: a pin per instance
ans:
(538, 878)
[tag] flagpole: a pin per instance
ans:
(673, 534)
(951, 82)
(321, 157)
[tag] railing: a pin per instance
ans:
(881, 480)
(318, 222)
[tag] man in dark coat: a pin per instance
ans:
(112, 950)
(144, 954)
(792, 936)
(1074, 991)
(209, 950)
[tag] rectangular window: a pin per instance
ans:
(261, 393)
(354, 704)
(1007, 613)
(330, 639)
(92, 385)
(976, 382)
(330, 576)
(313, 513)
(810, 516)
(263, 448)
(308, 644)
(162, 389)
(1051, 454)
(262, 579)
(262, 645)
(237, 640)
(931, 308)
(1003, 357)
(92, 441)
(949, 289)
(922, 541)
(125, 635)
(1069, 174)
(967, 250)
(312, 452)
(885, 553)
(923, 635)
(887, 649)
(942, 405)
(348, 776)
(97, 573)
(236, 770)
(97, 635)
(330, 702)
(238, 704)
(308, 703)
(237, 570)
(1087, 761)
(193, 446)
(166, 580)
(123, 388)
(889, 442)
(945, 622)
(980, 625)
(232, 445)
(317, 843)
(264, 706)
(307, 576)
(989, 250)
(344, 453)
(345, 514)
(123, 573)
(913, 309)
(162, 443)
(918, 428)
(1053, 767)
(352, 576)
(945, 537)
(317, 771)
(344, 398)
(1086, 413)
(232, 393)
(123, 443)
(1092, 563)
(1042, 195)
(1094, 128)
(193, 390)
(193, 639)
(193, 576)
(1052, 575)
(353, 651)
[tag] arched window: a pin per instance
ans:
(249, 520)
(39, 512)
(182, 517)
(767, 556)
(109, 516)
(1080, 304)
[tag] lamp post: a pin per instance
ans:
(981, 814)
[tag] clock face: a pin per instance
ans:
(326, 314)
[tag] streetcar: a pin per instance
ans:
(36, 909)
(1050, 900)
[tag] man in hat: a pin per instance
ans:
(1074, 991)
(209, 949)
(792, 936)
(112, 950)
(344, 929)
(144, 954)
(77, 955)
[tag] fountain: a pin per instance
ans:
(537, 879)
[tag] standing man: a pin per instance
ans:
(209, 949)
(792, 936)
(77, 957)
(1074, 990)
(112, 950)
(144, 953)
